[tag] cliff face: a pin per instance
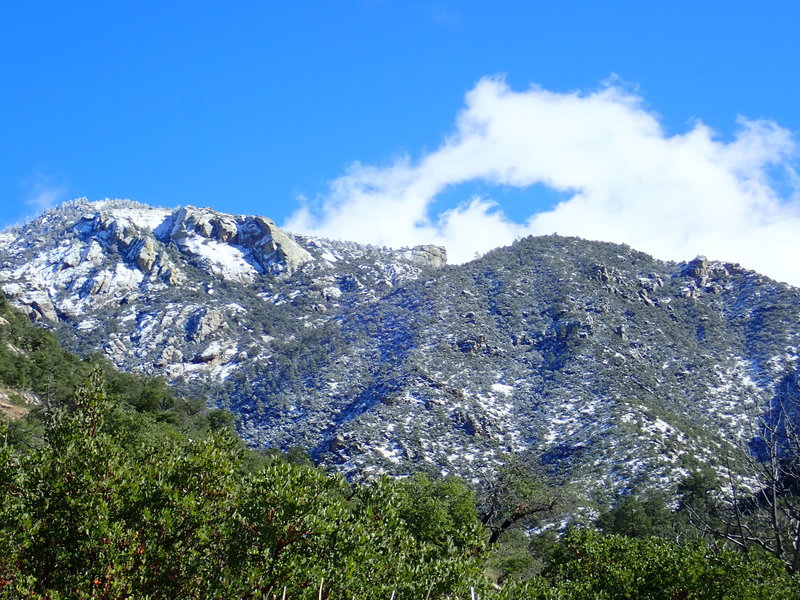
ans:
(618, 370)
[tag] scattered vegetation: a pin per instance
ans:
(111, 487)
(100, 509)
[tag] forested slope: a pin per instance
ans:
(110, 487)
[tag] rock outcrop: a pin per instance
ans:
(428, 255)
(271, 245)
(244, 241)
(146, 254)
(41, 306)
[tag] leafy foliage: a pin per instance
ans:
(520, 495)
(590, 565)
(641, 517)
(95, 512)
(91, 514)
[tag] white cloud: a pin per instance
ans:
(624, 180)
(42, 193)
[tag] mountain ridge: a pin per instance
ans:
(617, 370)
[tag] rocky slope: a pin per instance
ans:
(619, 370)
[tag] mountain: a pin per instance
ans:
(37, 377)
(618, 370)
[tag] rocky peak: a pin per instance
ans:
(427, 255)
(271, 243)
(237, 247)
(697, 268)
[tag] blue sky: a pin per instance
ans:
(376, 119)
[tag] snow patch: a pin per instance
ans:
(224, 260)
(141, 216)
(502, 388)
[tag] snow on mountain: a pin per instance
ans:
(616, 370)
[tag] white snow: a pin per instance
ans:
(391, 454)
(12, 289)
(502, 388)
(332, 292)
(6, 239)
(224, 259)
(87, 325)
(329, 256)
(143, 217)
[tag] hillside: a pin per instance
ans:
(616, 370)
(114, 488)
(38, 377)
